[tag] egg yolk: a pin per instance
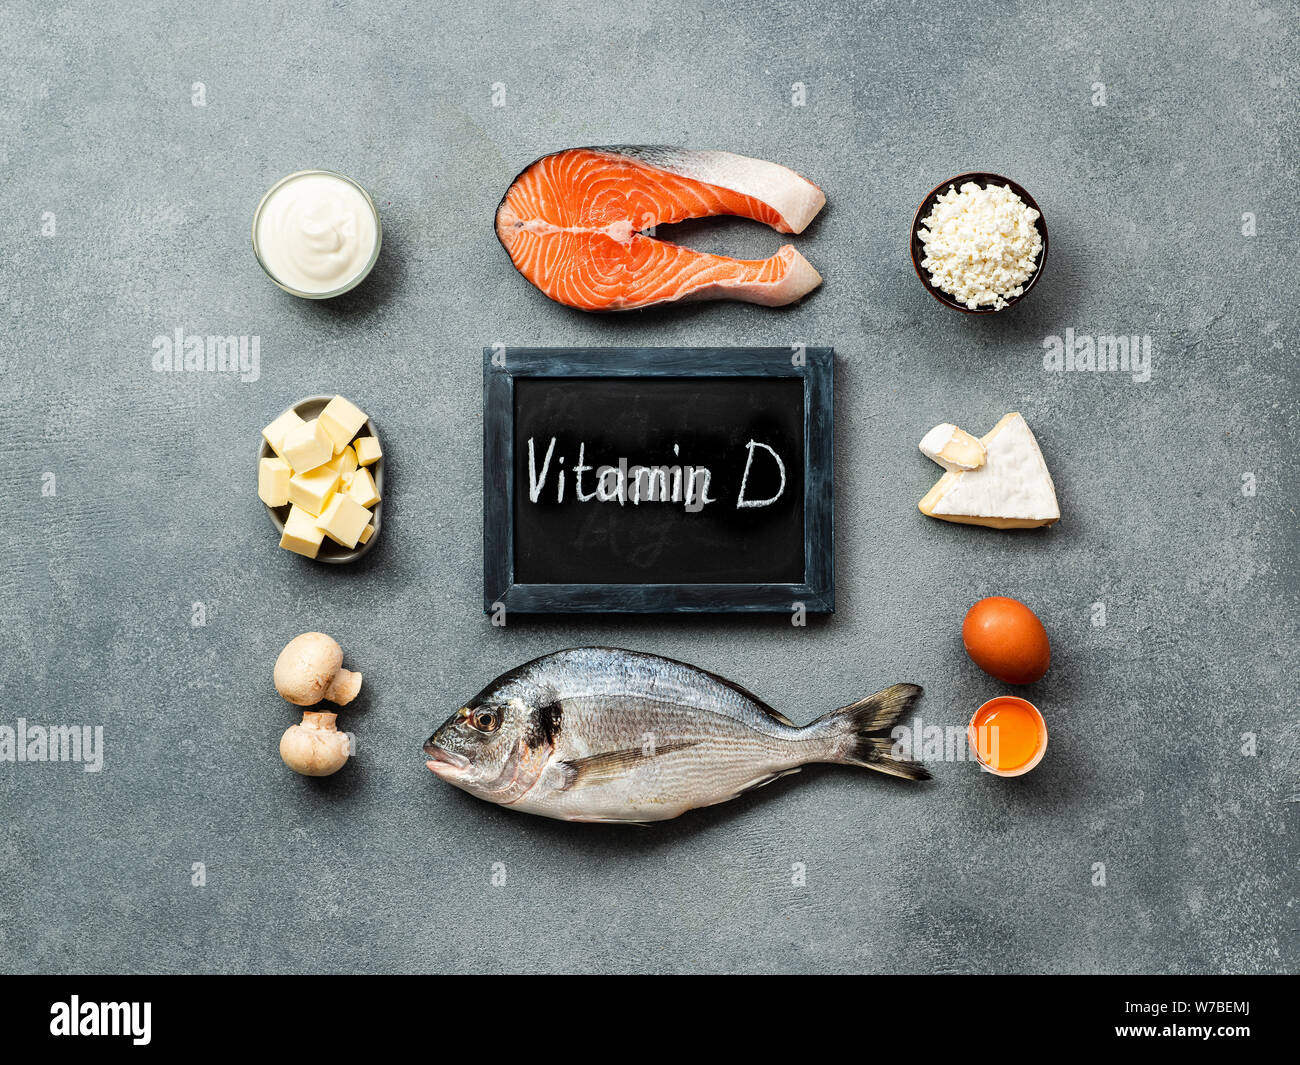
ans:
(1007, 734)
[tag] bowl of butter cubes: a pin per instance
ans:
(320, 472)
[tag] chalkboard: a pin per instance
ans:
(657, 479)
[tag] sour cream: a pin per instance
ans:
(316, 233)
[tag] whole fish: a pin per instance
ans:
(607, 735)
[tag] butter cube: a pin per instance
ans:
(362, 488)
(345, 462)
(343, 520)
(273, 482)
(274, 433)
(306, 446)
(366, 534)
(342, 421)
(368, 452)
(300, 533)
(312, 490)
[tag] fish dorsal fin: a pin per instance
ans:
(602, 768)
(759, 704)
(768, 710)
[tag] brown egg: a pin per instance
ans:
(1006, 640)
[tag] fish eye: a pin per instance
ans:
(485, 719)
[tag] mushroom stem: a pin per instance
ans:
(344, 687)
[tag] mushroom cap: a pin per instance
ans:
(306, 666)
(315, 748)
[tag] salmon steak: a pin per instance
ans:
(578, 224)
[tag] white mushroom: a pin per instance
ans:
(310, 668)
(315, 748)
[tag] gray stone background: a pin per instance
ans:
(385, 868)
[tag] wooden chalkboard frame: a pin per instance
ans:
(502, 365)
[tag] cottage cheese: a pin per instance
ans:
(981, 245)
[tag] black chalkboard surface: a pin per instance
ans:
(657, 479)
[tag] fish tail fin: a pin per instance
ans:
(860, 732)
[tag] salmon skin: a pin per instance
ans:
(575, 225)
(607, 735)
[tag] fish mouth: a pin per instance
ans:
(442, 760)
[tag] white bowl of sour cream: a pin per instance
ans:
(316, 234)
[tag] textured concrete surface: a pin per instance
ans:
(126, 216)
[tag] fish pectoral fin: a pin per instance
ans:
(602, 768)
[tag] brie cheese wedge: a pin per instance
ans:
(1012, 490)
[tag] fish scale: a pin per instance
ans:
(605, 734)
